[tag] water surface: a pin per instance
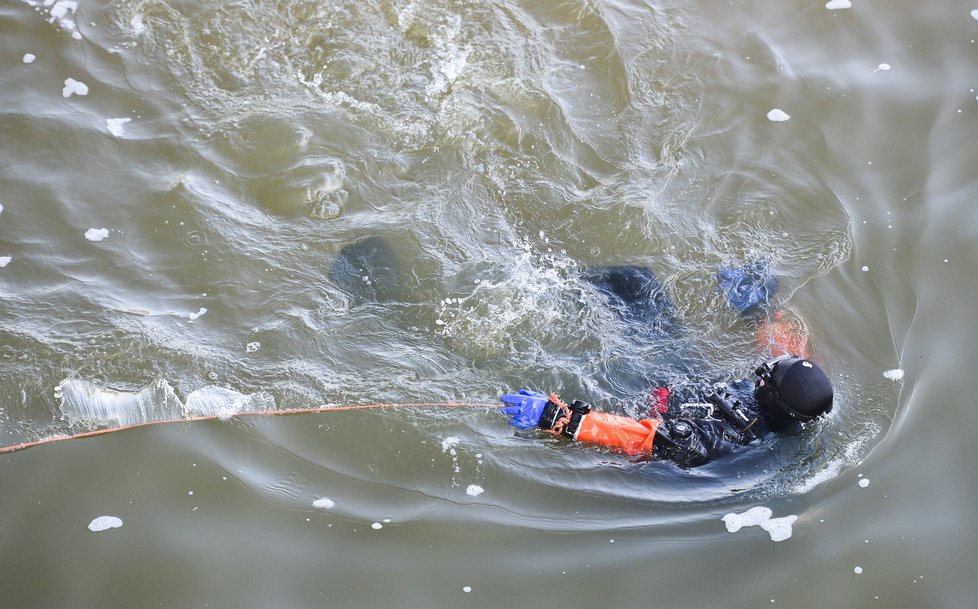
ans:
(179, 178)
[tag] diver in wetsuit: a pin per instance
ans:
(691, 425)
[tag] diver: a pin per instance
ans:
(691, 426)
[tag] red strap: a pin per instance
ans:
(659, 400)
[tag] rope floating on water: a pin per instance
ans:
(101, 432)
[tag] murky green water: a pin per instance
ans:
(178, 178)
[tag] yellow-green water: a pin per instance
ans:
(231, 149)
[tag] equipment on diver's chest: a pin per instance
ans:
(736, 415)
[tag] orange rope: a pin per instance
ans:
(101, 432)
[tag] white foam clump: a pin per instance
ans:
(74, 87)
(63, 13)
(894, 375)
(777, 115)
(225, 403)
(324, 503)
(194, 316)
(86, 401)
(448, 445)
(778, 528)
(116, 125)
(974, 14)
(97, 234)
(833, 5)
(474, 490)
(104, 523)
(29, 57)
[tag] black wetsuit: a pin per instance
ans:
(701, 422)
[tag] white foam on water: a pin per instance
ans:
(97, 234)
(225, 403)
(894, 375)
(778, 528)
(466, 589)
(63, 14)
(324, 503)
(834, 5)
(974, 14)
(4, 261)
(376, 526)
(29, 57)
(777, 115)
(116, 125)
(883, 67)
(864, 483)
(86, 401)
(857, 570)
(193, 316)
(448, 444)
(83, 401)
(474, 490)
(104, 523)
(752, 517)
(74, 87)
(252, 347)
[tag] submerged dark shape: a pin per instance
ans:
(636, 295)
(368, 271)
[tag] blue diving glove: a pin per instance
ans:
(748, 286)
(527, 407)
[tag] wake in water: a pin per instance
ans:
(501, 152)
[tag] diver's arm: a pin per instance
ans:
(682, 441)
(579, 422)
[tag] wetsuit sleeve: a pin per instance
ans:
(624, 433)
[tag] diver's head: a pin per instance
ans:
(791, 389)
